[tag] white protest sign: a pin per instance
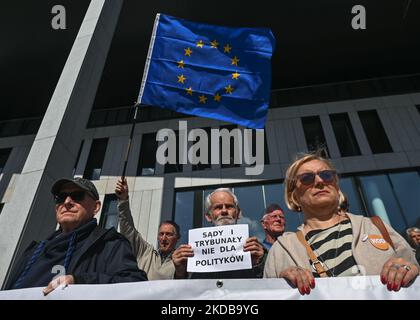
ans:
(219, 249)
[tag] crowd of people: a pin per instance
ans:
(331, 242)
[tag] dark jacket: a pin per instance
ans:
(105, 256)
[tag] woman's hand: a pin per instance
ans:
(300, 278)
(397, 273)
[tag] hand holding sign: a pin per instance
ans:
(255, 248)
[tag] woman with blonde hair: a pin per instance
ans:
(332, 242)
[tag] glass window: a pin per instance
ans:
(274, 193)
(375, 133)
(314, 134)
(97, 118)
(109, 217)
(10, 128)
(348, 186)
(184, 213)
(381, 201)
(251, 201)
(406, 186)
(96, 159)
(1, 207)
(147, 158)
(344, 134)
(111, 117)
(124, 116)
(4, 156)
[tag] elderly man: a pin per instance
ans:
(413, 235)
(157, 263)
(221, 208)
(80, 251)
(273, 222)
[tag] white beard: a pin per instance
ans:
(224, 221)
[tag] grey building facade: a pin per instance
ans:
(372, 136)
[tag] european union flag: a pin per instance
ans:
(209, 71)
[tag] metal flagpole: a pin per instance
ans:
(130, 139)
(143, 83)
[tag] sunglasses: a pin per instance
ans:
(75, 196)
(308, 178)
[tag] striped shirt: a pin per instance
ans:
(332, 246)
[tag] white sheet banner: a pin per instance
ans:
(342, 288)
(219, 249)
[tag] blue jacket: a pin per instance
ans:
(104, 256)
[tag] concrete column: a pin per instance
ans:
(30, 213)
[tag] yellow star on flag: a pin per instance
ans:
(229, 89)
(214, 44)
(189, 91)
(217, 97)
(181, 64)
(188, 51)
(235, 60)
(235, 75)
(181, 78)
(227, 48)
(203, 99)
(200, 44)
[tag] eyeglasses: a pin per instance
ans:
(75, 196)
(308, 178)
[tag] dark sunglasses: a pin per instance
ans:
(308, 178)
(75, 196)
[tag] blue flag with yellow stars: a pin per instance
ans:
(209, 71)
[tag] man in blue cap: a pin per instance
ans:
(81, 251)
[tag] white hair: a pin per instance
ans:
(412, 229)
(208, 204)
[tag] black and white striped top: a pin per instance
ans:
(332, 246)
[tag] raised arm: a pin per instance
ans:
(126, 222)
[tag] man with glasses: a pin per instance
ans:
(157, 263)
(273, 222)
(222, 208)
(79, 252)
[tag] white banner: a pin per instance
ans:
(219, 249)
(342, 288)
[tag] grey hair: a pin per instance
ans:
(207, 203)
(412, 229)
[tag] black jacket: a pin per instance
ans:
(104, 257)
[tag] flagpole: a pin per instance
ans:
(130, 139)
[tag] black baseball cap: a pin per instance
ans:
(84, 184)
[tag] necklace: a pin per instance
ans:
(332, 271)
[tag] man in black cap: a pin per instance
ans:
(80, 251)
(273, 222)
